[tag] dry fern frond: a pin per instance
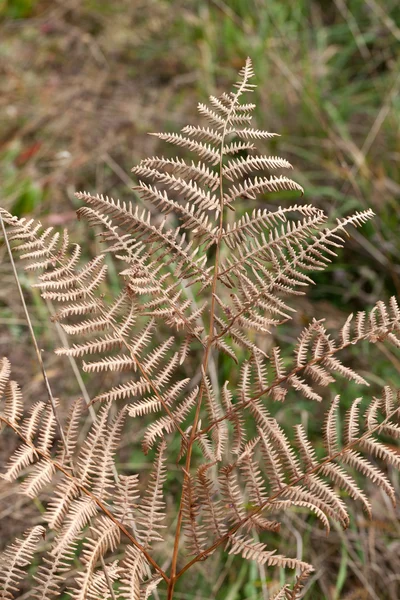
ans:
(16, 556)
(193, 284)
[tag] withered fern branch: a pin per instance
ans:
(199, 287)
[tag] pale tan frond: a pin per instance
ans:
(139, 386)
(281, 443)
(345, 332)
(252, 224)
(151, 518)
(304, 499)
(99, 589)
(106, 536)
(66, 267)
(164, 425)
(204, 133)
(324, 492)
(331, 428)
(22, 457)
(5, 371)
(140, 223)
(126, 496)
(204, 151)
(119, 363)
(133, 572)
(252, 550)
(334, 364)
(59, 504)
(352, 424)
(258, 134)
(80, 512)
(78, 285)
(245, 73)
(388, 401)
(342, 479)
(259, 185)
(222, 346)
(76, 310)
(15, 557)
(30, 425)
(194, 284)
(214, 118)
(41, 474)
(366, 468)
(98, 346)
(103, 462)
(224, 104)
(50, 573)
(71, 430)
(238, 336)
(306, 449)
(149, 587)
(153, 403)
(47, 431)
(300, 385)
(273, 465)
(255, 484)
(195, 171)
(388, 455)
(26, 454)
(192, 193)
(88, 455)
(236, 168)
(236, 147)
(13, 406)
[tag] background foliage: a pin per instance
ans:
(81, 83)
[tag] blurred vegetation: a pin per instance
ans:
(83, 81)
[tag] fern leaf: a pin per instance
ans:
(256, 551)
(106, 537)
(150, 521)
(202, 150)
(15, 557)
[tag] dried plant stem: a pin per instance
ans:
(207, 352)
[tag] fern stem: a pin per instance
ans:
(207, 351)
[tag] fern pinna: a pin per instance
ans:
(191, 291)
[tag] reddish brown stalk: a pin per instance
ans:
(207, 351)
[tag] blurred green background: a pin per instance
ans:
(83, 81)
